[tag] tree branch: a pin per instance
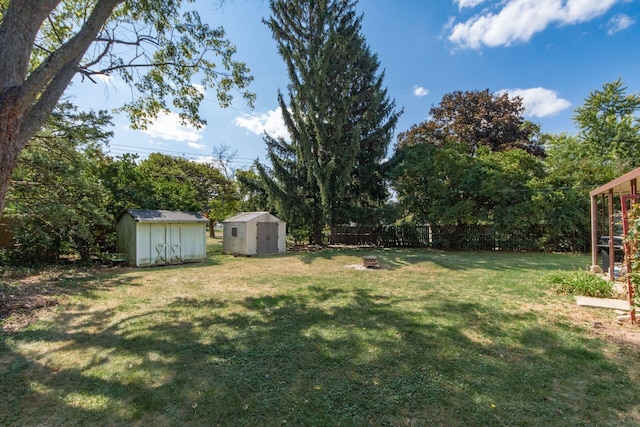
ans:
(48, 82)
(69, 53)
(18, 32)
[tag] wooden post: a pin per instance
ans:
(594, 231)
(625, 201)
(612, 257)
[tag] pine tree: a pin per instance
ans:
(339, 117)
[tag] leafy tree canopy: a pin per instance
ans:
(477, 119)
(160, 47)
(57, 203)
(609, 125)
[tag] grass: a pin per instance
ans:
(433, 338)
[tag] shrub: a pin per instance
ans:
(579, 283)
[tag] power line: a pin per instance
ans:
(124, 149)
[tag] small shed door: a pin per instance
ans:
(159, 244)
(175, 244)
(267, 237)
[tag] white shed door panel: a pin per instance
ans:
(175, 244)
(166, 244)
(159, 244)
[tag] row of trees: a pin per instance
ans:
(477, 162)
(474, 162)
(456, 170)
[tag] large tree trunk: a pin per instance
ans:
(317, 235)
(28, 98)
(10, 145)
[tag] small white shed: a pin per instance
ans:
(160, 237)
(254, 233)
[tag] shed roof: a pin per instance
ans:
(620, 185)
(249, 216)
(152, 215)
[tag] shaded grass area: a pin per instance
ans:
(434, 338)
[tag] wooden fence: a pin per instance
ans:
(437, 237)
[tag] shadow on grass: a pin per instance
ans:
(22, 299)
(396, 258)
(325, 357)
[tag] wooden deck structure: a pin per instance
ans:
(626, 189)
(626, 185)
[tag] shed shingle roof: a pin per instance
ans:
(250, 216)
(151, 215)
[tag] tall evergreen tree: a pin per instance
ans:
(339, 116)
(290, 190)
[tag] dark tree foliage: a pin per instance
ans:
(252, 193)
(56, 202)
(445, 186)
(474, 163)
(460, 167)
(292, 191)
(478, 119)
(339, 116)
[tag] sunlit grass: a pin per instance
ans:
(432, 338)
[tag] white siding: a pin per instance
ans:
(158, 243)
(282, 236)
(246, 243)
(252, 237)
(143, 245)
(194, 242)
(235, 244)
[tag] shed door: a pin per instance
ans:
(159, 244)
(175, 244)
(267, 237)
(166, 244)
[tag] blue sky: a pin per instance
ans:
(553, 53)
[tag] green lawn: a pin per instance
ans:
(433, 338)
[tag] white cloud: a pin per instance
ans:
(468, 3)
(420, 91)
(518, 20)
(104, 78)
(199, 88)
(168, 127)
(195, 146)
(204, 159)
(270, 122)
(538, 101)
(618, 23)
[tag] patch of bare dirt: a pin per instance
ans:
(21, 305)
(24, 299)
(608, 327)
(363, 268)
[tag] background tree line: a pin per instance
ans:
(478, 162)
(474, 162)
